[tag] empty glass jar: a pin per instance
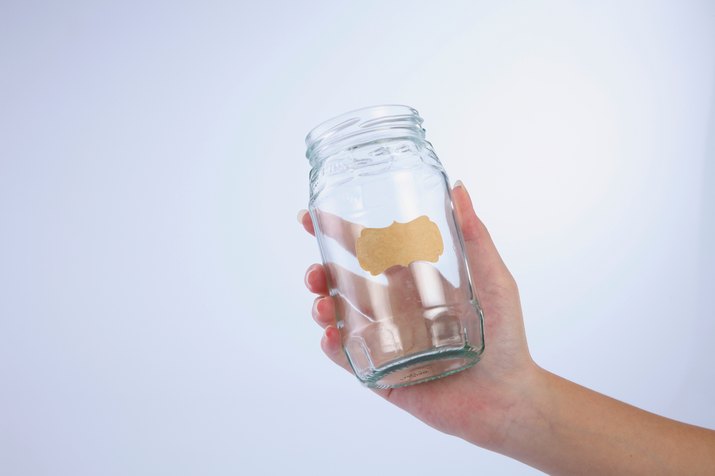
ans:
(383, 216)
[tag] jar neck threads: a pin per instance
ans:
(362, 126)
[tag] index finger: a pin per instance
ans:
(343, 231)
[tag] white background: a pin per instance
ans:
(153, 318)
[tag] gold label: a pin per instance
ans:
(399, 244)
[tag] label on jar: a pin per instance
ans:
(378, 249)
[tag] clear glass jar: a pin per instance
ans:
(383, 216)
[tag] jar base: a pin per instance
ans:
(423, 367)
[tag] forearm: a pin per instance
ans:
(563, 428)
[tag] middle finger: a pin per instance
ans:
(323, 311)
(316, 280)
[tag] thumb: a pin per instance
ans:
(485, 264)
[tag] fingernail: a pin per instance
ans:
(301, 214)
(330, 341)
(459, 183)
(314, 310)
(308, 277)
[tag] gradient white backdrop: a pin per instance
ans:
(153, 318)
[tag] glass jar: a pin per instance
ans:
(394, 257)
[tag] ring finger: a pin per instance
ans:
(323, 311)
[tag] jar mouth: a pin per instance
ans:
(362, 126)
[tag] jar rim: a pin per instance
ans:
(362, 125)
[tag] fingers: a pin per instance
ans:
(331, 346)
(323, 311)
(305, 221)
(343, 231)
(484, 261)
(315, 280)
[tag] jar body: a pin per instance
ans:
(394, 256)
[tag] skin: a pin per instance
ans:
(508, 404)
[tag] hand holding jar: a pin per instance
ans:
(476, 403)
(397, 301)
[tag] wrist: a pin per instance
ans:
(529, 416)
(524, 426)
(525, 417)
(512, 408)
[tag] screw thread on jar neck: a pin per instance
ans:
(362, 126)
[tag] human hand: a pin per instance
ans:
(476, 404)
